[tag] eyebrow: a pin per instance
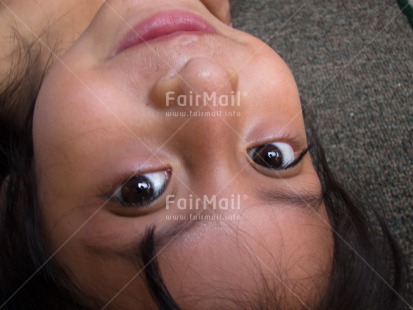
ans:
(163, 235)
(301, 199)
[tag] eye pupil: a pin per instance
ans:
(138, 190)
(268, 156)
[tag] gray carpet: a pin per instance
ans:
(353, 62)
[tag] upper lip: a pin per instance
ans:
(163, 24)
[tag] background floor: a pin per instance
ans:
(353, 62)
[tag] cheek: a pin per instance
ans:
(286, 251)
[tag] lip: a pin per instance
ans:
(164, 25)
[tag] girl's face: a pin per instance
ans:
(196, 131)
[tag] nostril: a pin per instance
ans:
(233, 79)
(161, 92)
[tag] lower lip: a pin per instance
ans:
(164, 25)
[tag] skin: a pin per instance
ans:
(101, 118)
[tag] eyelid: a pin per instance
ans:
(163, 176)
(107, 190)
(299, 158)
(295, 162)
(298, 144)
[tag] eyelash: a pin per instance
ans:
(276, 153)
(151, 184)
(299, 158)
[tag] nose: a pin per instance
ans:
(204, 95)
(201, 82)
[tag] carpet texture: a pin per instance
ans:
(353, 62)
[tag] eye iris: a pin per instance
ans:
(268, 156)
(138, 190)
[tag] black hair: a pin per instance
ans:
(368, 266)
(25, 275)
(367, 271)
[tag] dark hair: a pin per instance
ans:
(367, 270)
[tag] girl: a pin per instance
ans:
(152, 156)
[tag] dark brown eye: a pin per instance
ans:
(142, 190)
(276, 156)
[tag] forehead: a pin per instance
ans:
(47, 23)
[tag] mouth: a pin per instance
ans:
(162, 26)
